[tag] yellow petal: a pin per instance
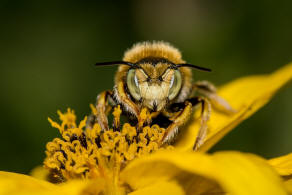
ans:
(75, 187)
(288, 184)
(199, 173)
(14, 183)
(283, 164)
(19, 184)
(163, 187)
(40, 172)
(245, 95)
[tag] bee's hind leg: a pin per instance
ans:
(208, 90)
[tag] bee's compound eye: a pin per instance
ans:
(175, 84)
(133, 84)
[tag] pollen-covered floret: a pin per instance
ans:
(92, 152)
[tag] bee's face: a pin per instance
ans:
(154, 85)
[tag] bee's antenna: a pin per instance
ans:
(194, 66)
(115, 63)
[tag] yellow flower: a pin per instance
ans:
(92, 161)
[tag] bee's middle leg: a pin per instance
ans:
(205, 115)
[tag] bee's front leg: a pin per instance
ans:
(178, 118)
(102, 109)
(122, 97)
(181, 117)
(208, 90)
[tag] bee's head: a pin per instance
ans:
(154, 82)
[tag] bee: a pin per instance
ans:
(153, 75)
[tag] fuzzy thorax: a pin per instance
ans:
(154, 49)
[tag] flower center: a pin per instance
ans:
(90, 153)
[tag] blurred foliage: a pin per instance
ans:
(48, 49)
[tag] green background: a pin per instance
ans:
(48, 48)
